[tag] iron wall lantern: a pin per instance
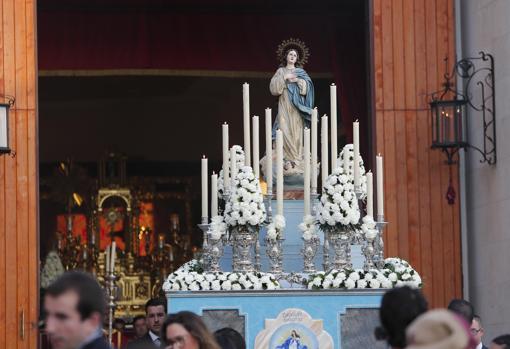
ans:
(449, 108)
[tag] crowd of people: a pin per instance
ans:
(406, 322)
(74, 307)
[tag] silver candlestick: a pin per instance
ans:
(369, 250)
(379, 242)
(309, 251)
(215, 251)
(314, 198)
(274, 252)
(111, 302)
(257, 264)
(206, 258)
(325, 252)
(268, 198)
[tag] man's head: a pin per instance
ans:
(140, 326)
(501, 342)
(155, 309)
(462, 308)
(74, 305)
(477, 329)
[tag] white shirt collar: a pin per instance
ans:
(153, 336)
(479, 346)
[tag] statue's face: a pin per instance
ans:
(292, 57)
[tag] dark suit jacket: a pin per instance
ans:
(484, 347)
(144, 342)
(99, 343)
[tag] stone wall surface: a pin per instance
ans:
(485, 26)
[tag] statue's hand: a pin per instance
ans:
(291, 77)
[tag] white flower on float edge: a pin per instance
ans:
(385, 278)
(194, 281)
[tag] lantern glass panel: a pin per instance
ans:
(448, 123)
(4, 142)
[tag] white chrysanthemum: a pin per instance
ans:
(350, 284)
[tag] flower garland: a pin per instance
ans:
(245, 206)
(275, 228)
(182, 280)
(239, 164)
(338, 206)
(348, 151)
(397, 272)
(308, 228)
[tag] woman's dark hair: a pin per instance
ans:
(283, 62)
(194, 325)
(228, 338)
(399, 307)
(503, 340)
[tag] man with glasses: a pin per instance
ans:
(477, 332)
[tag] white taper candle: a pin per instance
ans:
(313, 172)
(246, 123)
(256, 157)
(205, 192)
(279, 172)
(224, 133)
(306, 184)
(269, 151)
(347, 160)
(334, 148)
(113, 254)
(380, 185)
(355, 138)
(108, 260)
(370, 194)
(233, 170)
(214, 195)
(324, 150)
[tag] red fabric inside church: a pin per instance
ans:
(77, 39)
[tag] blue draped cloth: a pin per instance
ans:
(303, 103)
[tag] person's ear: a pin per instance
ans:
(95, 319)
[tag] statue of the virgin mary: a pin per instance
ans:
(294, 89)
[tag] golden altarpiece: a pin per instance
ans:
(122, 209)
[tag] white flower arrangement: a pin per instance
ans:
(220, 281)
(52, 269)
(396, 273)
(275, 228)
(245, 206)
(308, 228)
(349, 151)
(338, 205)
(368, 228)
(217, 228)
(239, 164)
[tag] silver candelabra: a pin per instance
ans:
(379, 243)
(110, 281)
